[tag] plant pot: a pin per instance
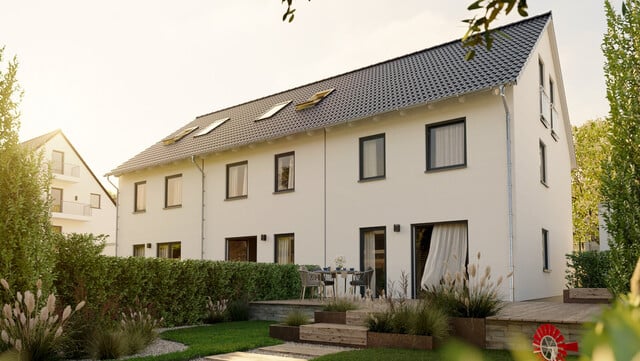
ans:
(470, 330)
(285, 332)
(398, 340)
(330, 317)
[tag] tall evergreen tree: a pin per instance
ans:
(621, 177)
(25, 230)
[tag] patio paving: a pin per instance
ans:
(289, 351)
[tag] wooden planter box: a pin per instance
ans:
(398, 340)
(587, 295)
(470, 330)
(284, 332)
(330, 317)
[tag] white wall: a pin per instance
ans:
(103, 219)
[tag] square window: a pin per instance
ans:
(169, 250)
(446, 145)
(237, 180)
(284, 248)
(94, 200)
(138, 250)
(545, 250)
(285, 172)
(173, 191)
(242, 249)
(140, 197)
(372, 157)
(543, 163)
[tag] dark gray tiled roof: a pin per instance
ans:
(422, 77)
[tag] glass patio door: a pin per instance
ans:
(373, 255)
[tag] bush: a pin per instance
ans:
(216, 311)
(587, 269)
(33, 327)
(430, 320)
(239, 310)
(381, 322)
(417, 319)
(470, 293)
(296, 318)
(107, 344)
(139, 329)
(339, 305)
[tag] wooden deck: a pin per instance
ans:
(548, 312)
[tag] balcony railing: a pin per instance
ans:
(66, 169)
(73, 208)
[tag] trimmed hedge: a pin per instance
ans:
(587, 269)
(174, 290)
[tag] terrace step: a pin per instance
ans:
(347, 335)
(357, 317)
(250, 356)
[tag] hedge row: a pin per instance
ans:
(588, 269)
(175, 290)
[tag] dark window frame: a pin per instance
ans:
(169, 244)
(139, 246)
(364, 230)
(252, 247)
(166, 191)
(244, 162)
(53, 170)
(275, 247)
(276, 178)
(361, 143)
(546, 263)
(445, 123)
(91, 195)
(137, 209)
(544, 174)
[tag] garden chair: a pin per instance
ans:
(309, 279)
(362, 279)
(329, 280)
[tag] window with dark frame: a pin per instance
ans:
(372, 157)
(94, 200)
(169, 250)
(284, 248)
(138, 250)
(242, 249)
(173, 191)
(545, 250)
(56, 200)
(237, 180)
(543, 163)
(57, 162)
(140, 196)
(446, 145)
(285, 172)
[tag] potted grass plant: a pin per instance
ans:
(335, 311)
(289, 329)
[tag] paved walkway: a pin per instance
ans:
(290, 351)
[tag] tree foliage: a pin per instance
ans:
(592, 148)
(621, 180)
(25, 250)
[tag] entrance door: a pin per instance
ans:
(242, 249)
(373, 254)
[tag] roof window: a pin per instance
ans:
(179, 136)
(314, 99)
(274, 109)
(210, 127)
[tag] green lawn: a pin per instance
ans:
(241, 336)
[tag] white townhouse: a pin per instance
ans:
(80, 203)
(405, 165)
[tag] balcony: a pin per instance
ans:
(66, 172)
(71, 211)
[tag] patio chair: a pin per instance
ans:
(362, 279)
(309, 279)
(328, 280)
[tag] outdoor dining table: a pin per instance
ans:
(334, 273)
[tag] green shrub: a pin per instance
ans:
(402, 318)
(296, 318)
(429, 320)
(107, 344)
(587, 269)
(139, 329)
(381, 322)
(32, 326)
(239, 310)
(409, 318)
(216, 311)
(339, 305)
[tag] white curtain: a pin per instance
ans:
(373, 158)
(174, 191)
(291, 171)
(285, 245)
(447, 253)
(238, 180)
(447, 145)
(163, 251)
(370, 256)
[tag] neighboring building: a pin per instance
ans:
(399, 166)
(80, 203)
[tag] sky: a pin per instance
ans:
(118, 76)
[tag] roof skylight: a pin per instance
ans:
(210, 127)
(314, 99)
(179, 136)
(274, 109)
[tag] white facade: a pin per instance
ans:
(331, 209)
(85, 206)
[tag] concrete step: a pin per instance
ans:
(296, 349)
(250, 356)
(329, 333)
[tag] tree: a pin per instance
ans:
(25, 251)
(592, 147)
(479, 32)
(621, 179)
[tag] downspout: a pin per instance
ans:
(509, 191)
(324, 171)
(117, 211)
(193, 160)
